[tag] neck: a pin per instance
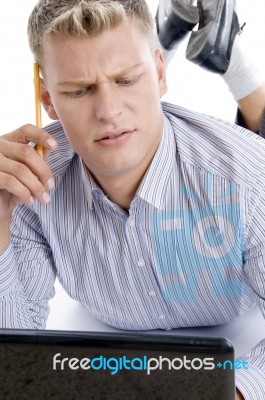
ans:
(120, 190)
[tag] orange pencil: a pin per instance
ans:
(38, 147)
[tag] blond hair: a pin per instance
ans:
(83, 18)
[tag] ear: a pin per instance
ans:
(46, 101)
(161, 71)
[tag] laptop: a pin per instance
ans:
(64, 365)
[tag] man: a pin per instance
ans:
(150, 217)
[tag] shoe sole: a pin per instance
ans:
(212, 41)
(177, 23)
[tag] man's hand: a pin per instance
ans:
(24, 175)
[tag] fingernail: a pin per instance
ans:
(31, 200)
(50, 183)
(46, 197)
(52, 142)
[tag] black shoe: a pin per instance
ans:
(211, 45)
(174, 20)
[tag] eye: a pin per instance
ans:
(78, 93)
(127, 81)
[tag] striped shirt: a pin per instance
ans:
(189, 251)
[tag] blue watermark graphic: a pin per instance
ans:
(203, 236)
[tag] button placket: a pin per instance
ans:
(144, 278)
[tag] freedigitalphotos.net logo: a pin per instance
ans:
(114, 365)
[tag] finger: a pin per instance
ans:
(25, 155)
(30, 133)
(15, 188)
(22, 174)
(46, 154)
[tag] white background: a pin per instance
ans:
(189, 85)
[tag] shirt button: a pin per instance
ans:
(151, 293)
(131, 221)
(141, 262)
(161, 316)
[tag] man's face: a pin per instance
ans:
(106, 92)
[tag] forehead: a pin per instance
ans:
(123, 45)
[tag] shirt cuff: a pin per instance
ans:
(8, 273)
(251, 383)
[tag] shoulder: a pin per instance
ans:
(217, 146)
(207, 126)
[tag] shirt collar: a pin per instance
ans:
(90, 185)
(154, 183)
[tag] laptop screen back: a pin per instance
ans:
(56, 365)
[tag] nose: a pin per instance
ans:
(108, 103)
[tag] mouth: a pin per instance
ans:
(114, 136)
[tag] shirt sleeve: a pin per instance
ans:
(251, 381)
(27, 274)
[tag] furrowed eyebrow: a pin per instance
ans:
(86, 82)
